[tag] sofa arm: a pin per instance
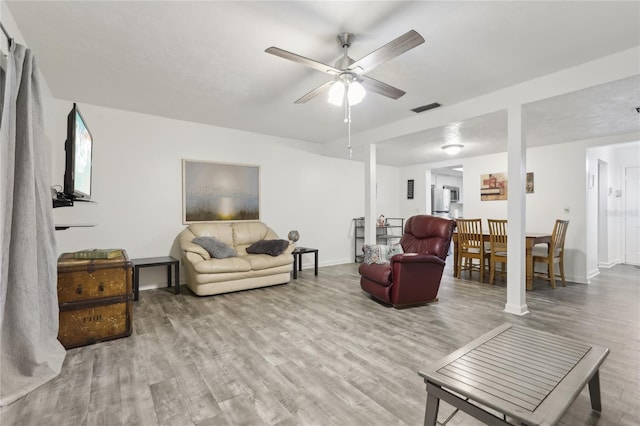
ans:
(289, 250)
(416, 258)
(194, 252)
(192, 257)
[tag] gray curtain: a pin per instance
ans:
(31, 353)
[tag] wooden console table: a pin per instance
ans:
(529, 375)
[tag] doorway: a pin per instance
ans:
(632, 215)
(603, 217)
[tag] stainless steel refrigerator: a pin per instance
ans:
(440, 202)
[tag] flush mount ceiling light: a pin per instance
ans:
(453, 149)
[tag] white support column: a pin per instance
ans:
(370, 180)
(516, 216)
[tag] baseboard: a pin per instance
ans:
(609, 264)
(309, 264)
(592, 274)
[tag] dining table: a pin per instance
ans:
(531, 239)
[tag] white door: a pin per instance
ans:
(632, 215)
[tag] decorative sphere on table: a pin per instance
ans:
(293, 236)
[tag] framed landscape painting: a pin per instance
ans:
(219, 192)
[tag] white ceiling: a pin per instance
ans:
(204, 61)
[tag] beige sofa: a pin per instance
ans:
(206, 275)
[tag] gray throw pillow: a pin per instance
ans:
(375, 253)
(215, 247)
(393, 250)
(270, 247)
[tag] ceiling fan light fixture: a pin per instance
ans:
(355, 93)
(336, 93)
(452, 149)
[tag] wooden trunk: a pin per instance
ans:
(95, 299)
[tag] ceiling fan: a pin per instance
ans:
(348, 71)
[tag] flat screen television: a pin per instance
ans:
(78, 147)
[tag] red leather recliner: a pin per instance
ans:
(413, 277)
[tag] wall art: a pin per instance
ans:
(219, 192)
(410, 184)
(493, 187)
(529, 184)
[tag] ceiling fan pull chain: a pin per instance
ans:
(345, 102)
(349, 132)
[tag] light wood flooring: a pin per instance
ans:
(318, 351)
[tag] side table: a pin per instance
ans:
(146, 262)
(297, 259)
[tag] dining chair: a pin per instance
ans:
(497, 247)
(471, 247)
(553, 253)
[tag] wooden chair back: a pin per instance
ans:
(470, 234)
(497, 246)
(498, 236)
(471, 246)
(554, 253)
(558, 236)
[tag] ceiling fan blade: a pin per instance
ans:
(315, 92)
(380, 88)
(302, 60)
(389, 51)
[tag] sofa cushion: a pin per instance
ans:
(215, 247)
(222, 231)
(259, 262)
(218, 266)
(247, 233)
(270, 247)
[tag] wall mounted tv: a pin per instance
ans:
(78, 147)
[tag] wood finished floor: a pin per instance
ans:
(318, 351)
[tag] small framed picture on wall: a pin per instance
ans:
(529, 184)
(410, 189)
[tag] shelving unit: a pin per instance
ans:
(384, 234)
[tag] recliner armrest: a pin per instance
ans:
(416, 258)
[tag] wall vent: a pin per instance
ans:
(426, 107)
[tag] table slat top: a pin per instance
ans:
(516, 369)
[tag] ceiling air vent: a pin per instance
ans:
(426, 107)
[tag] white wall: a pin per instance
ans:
(387, 200)
(421, 202)
(137, 185)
